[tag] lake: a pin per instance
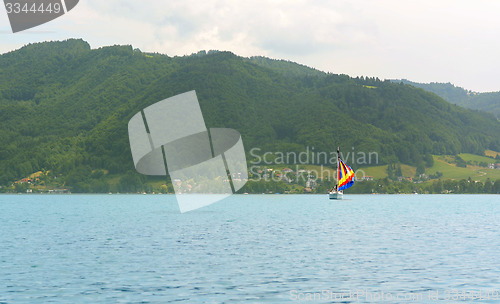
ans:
(250, 249)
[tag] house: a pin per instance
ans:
(311, 183)
(402, 178)
(236, 176)
(24, 180)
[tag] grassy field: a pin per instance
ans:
(476, 158)
(408, 171)
(376, 171)
(445, 165)
(491, 153)
(381, 171)
(450, 171)
(493, 174)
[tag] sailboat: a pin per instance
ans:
(345, 179)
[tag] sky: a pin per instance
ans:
(424, 41)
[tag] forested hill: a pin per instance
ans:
(488, 102)
(65, 108)
(285, 67)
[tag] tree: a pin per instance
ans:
(488, 186)
(131, 182)
(437, 186)
(398, 171)
(420, 169)
(496, 187)
(21, 187)
(429, 160)
(460, 162)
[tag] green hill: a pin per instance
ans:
(487, 102)
(64, 108)
(285, 67)
(476, 168)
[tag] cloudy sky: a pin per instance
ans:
(425, 40)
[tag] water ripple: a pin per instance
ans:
(254, 249)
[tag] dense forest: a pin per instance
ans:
(64, 109)
(487, 102)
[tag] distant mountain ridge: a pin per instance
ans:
(287, 68)
(65, 107)
(488, 102)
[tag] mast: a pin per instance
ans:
(338, 173)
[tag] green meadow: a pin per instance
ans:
(446, 166)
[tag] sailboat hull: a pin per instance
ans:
(336, 195)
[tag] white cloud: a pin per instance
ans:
(446, 40)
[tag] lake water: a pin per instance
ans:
(250, 248)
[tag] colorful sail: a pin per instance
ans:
(346, 175)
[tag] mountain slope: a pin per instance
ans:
(487, 102)
(64, 107)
